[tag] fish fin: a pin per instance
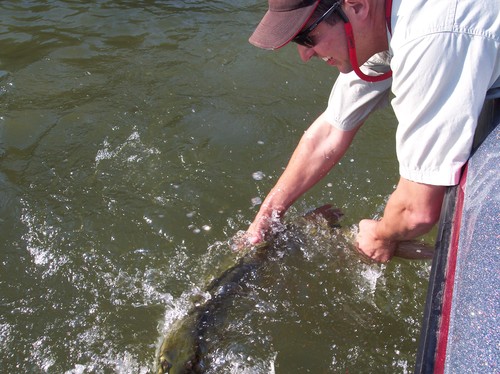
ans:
(328, 212)
(414, 250)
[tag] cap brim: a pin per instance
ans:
(278, 28)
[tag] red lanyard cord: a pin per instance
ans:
(352, 47)
(388, 11)
(354, 59)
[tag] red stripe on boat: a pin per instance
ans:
(450, 279)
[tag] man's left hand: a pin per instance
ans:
(370, 245)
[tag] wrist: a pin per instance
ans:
(386, 232)
(274, 205)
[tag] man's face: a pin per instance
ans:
(330, 44)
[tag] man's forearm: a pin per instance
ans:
(412, 210)
(319, 149)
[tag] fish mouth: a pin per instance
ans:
(164, 366)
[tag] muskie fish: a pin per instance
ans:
(184, 347)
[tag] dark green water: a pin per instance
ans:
(130, 135)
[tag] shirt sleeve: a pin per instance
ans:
(440, 82)
(353, 99)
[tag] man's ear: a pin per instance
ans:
(357, 8)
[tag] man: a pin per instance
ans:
(444, 56)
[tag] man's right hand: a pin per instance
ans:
(257, 231)
(255, 235)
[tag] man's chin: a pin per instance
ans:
(345, 69)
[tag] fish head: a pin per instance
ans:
(177, 351)
(164, 364)
(173, 360)
(170, 365)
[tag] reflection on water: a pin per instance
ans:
(136, 137)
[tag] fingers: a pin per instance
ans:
(370, 245)
(244, 240)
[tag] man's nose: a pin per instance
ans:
(305, 53)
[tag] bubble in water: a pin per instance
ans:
(258, 175)
(256, 201)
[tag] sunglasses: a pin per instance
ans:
(303, 37)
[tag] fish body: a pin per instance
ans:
(184, 347)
